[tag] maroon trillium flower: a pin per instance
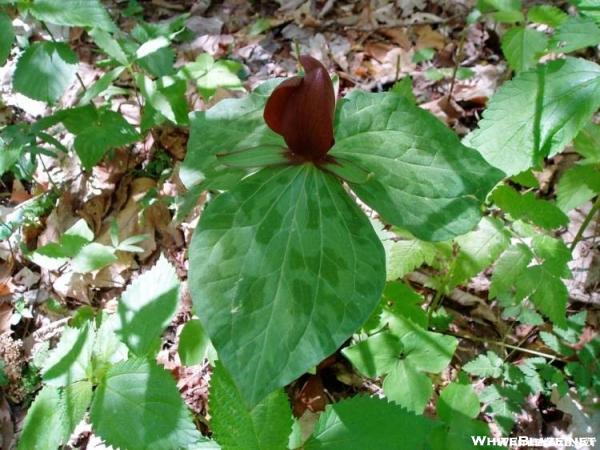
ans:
(301, 109)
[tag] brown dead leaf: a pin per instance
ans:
(19, 194)
(397, 36)
(427, 37)
(94, 210)
(311, 396)
(6, 310)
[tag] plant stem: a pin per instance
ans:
(585, 223)
(503, 344)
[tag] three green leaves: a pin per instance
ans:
(285, 266)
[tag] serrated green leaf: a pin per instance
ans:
(109, 45)
(159, 63)
(264, 427)
(408, 387)
(587, 142)
(7, 37)
(555, 344)
(100, 86)
(364, 422)
(575, 33)
(147, 306)
(488, 365)
(231, 125)
(547, 14)
(45, 70)
(375, 356)
(72, 13)
(167, 97)
(55, 254)
(522, 47)
(457, 399)
(527, 207)
(300, 268)
(404, 256)
(75, 400)
(550, 294)
(137, 405)
(508, 269)
(406, 147)
(555, 254)
(70, 361)
(93, 257)
(577, 185)
(97, 131)
(400, 300)
(478, 249)
(194, 344)
(43, 428)
(209, 75)
(537, 114)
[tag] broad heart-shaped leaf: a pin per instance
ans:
(537, 114)
(45, 70)
(7, 37)
(72, 13)
(522, 47)
(235, 427)
(283, 269)
(424, 180)
(137, 405)
(147, 306)
(231, 125)
(96, 131)
(369, 423)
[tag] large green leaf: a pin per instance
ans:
(235, 427)
(369, 423)
(537, 114)
(522, 47)
(44, 427)
(424, 179)
(72, 13)
(575, 33)
(283, 269)
(96, 131)
(137, 405)
(71, 360)
(230, 125)
(577, 185)
(408, 386)
(7, 37)
(147, 306)
(45, 70)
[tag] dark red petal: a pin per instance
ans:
(302, 111)
(277, 103)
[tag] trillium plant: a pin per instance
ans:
(284, 264)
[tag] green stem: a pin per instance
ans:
(503, 344)
(585, 223)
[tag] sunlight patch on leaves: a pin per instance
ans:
(137, 405)
(407, 148)
(537, 114)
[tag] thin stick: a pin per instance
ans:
(585, 223)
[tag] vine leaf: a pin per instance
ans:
(285, 260)
(266, 426)
(45, 70)
(537, 114)
(367, 422)
(406, 148)
(147, 306)
(73, 13)
(137, 405)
